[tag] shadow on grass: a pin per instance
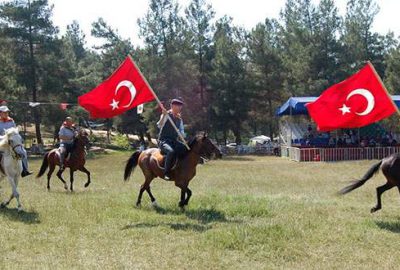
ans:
(201, 215)
(174, 226)
(392, 226)
(23, 216)
(77, 192)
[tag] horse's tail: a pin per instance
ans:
(45, 165)
(131, 164)
(356, 184)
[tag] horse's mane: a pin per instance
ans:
(192, 143)
(8, 132)
(3, 141)
(194, 140)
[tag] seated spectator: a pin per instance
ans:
(372, 142)
(364, 142)
(379, 140)
(308, 142)
(353, 138)
(340, 142)
(331, 142)
(385, 141)
(347, 139)
(390, 138)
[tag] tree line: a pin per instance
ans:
(232, 79)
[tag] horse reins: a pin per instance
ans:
(14, 147)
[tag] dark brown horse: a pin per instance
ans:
(151, 162)
(390, 167)
(75, 162)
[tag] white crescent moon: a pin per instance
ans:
(368, 96)
(131, 88)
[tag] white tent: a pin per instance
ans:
(260, 139)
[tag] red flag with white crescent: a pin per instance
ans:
(357, 101)
(124, 90)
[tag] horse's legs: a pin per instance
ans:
(145, 187)
(153, 200)
(139, 199)
(71, 179)
(5, 203)
(51, 170)
(183, 195)
(59, 175)
(189, 194)
(15, 194)
(379, 191)
(83, 169)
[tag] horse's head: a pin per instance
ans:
(83, 138)
(205, 147)
(14, 141)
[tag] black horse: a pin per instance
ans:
(390, 167)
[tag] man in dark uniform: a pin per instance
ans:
(168, 139)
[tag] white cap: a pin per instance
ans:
(4, 109)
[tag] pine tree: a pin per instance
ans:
(28, 24)
(199, 16)
(266, 74)
(230, 97)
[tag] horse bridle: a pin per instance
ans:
(16, 155)
(201, 155)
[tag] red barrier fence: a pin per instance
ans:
(337, 154)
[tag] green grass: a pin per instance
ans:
(245, 213)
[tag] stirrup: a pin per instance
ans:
(167, 176)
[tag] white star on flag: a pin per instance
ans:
(114, 104)
(345, 109)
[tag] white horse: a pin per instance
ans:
(11, 164)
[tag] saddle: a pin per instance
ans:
(160, 160)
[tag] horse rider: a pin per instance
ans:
(168, 138)
(66, 135)
(7, 122)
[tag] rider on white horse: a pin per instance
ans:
(11, 164)
(7, 122)
(66, 134)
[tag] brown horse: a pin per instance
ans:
(151, 161)
(75, 162)
(390, 167)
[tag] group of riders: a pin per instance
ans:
(168, 139)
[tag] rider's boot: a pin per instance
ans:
(62, 159)
(168, 165)
(25, 171)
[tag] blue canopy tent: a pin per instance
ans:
(296, 105)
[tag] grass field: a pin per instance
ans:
(245, 213)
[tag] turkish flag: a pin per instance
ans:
(357, 101)
(125, 89)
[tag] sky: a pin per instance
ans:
(123, 14)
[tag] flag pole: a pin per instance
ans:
(383, 86)
(160, 104)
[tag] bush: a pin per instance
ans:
(121, 141)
